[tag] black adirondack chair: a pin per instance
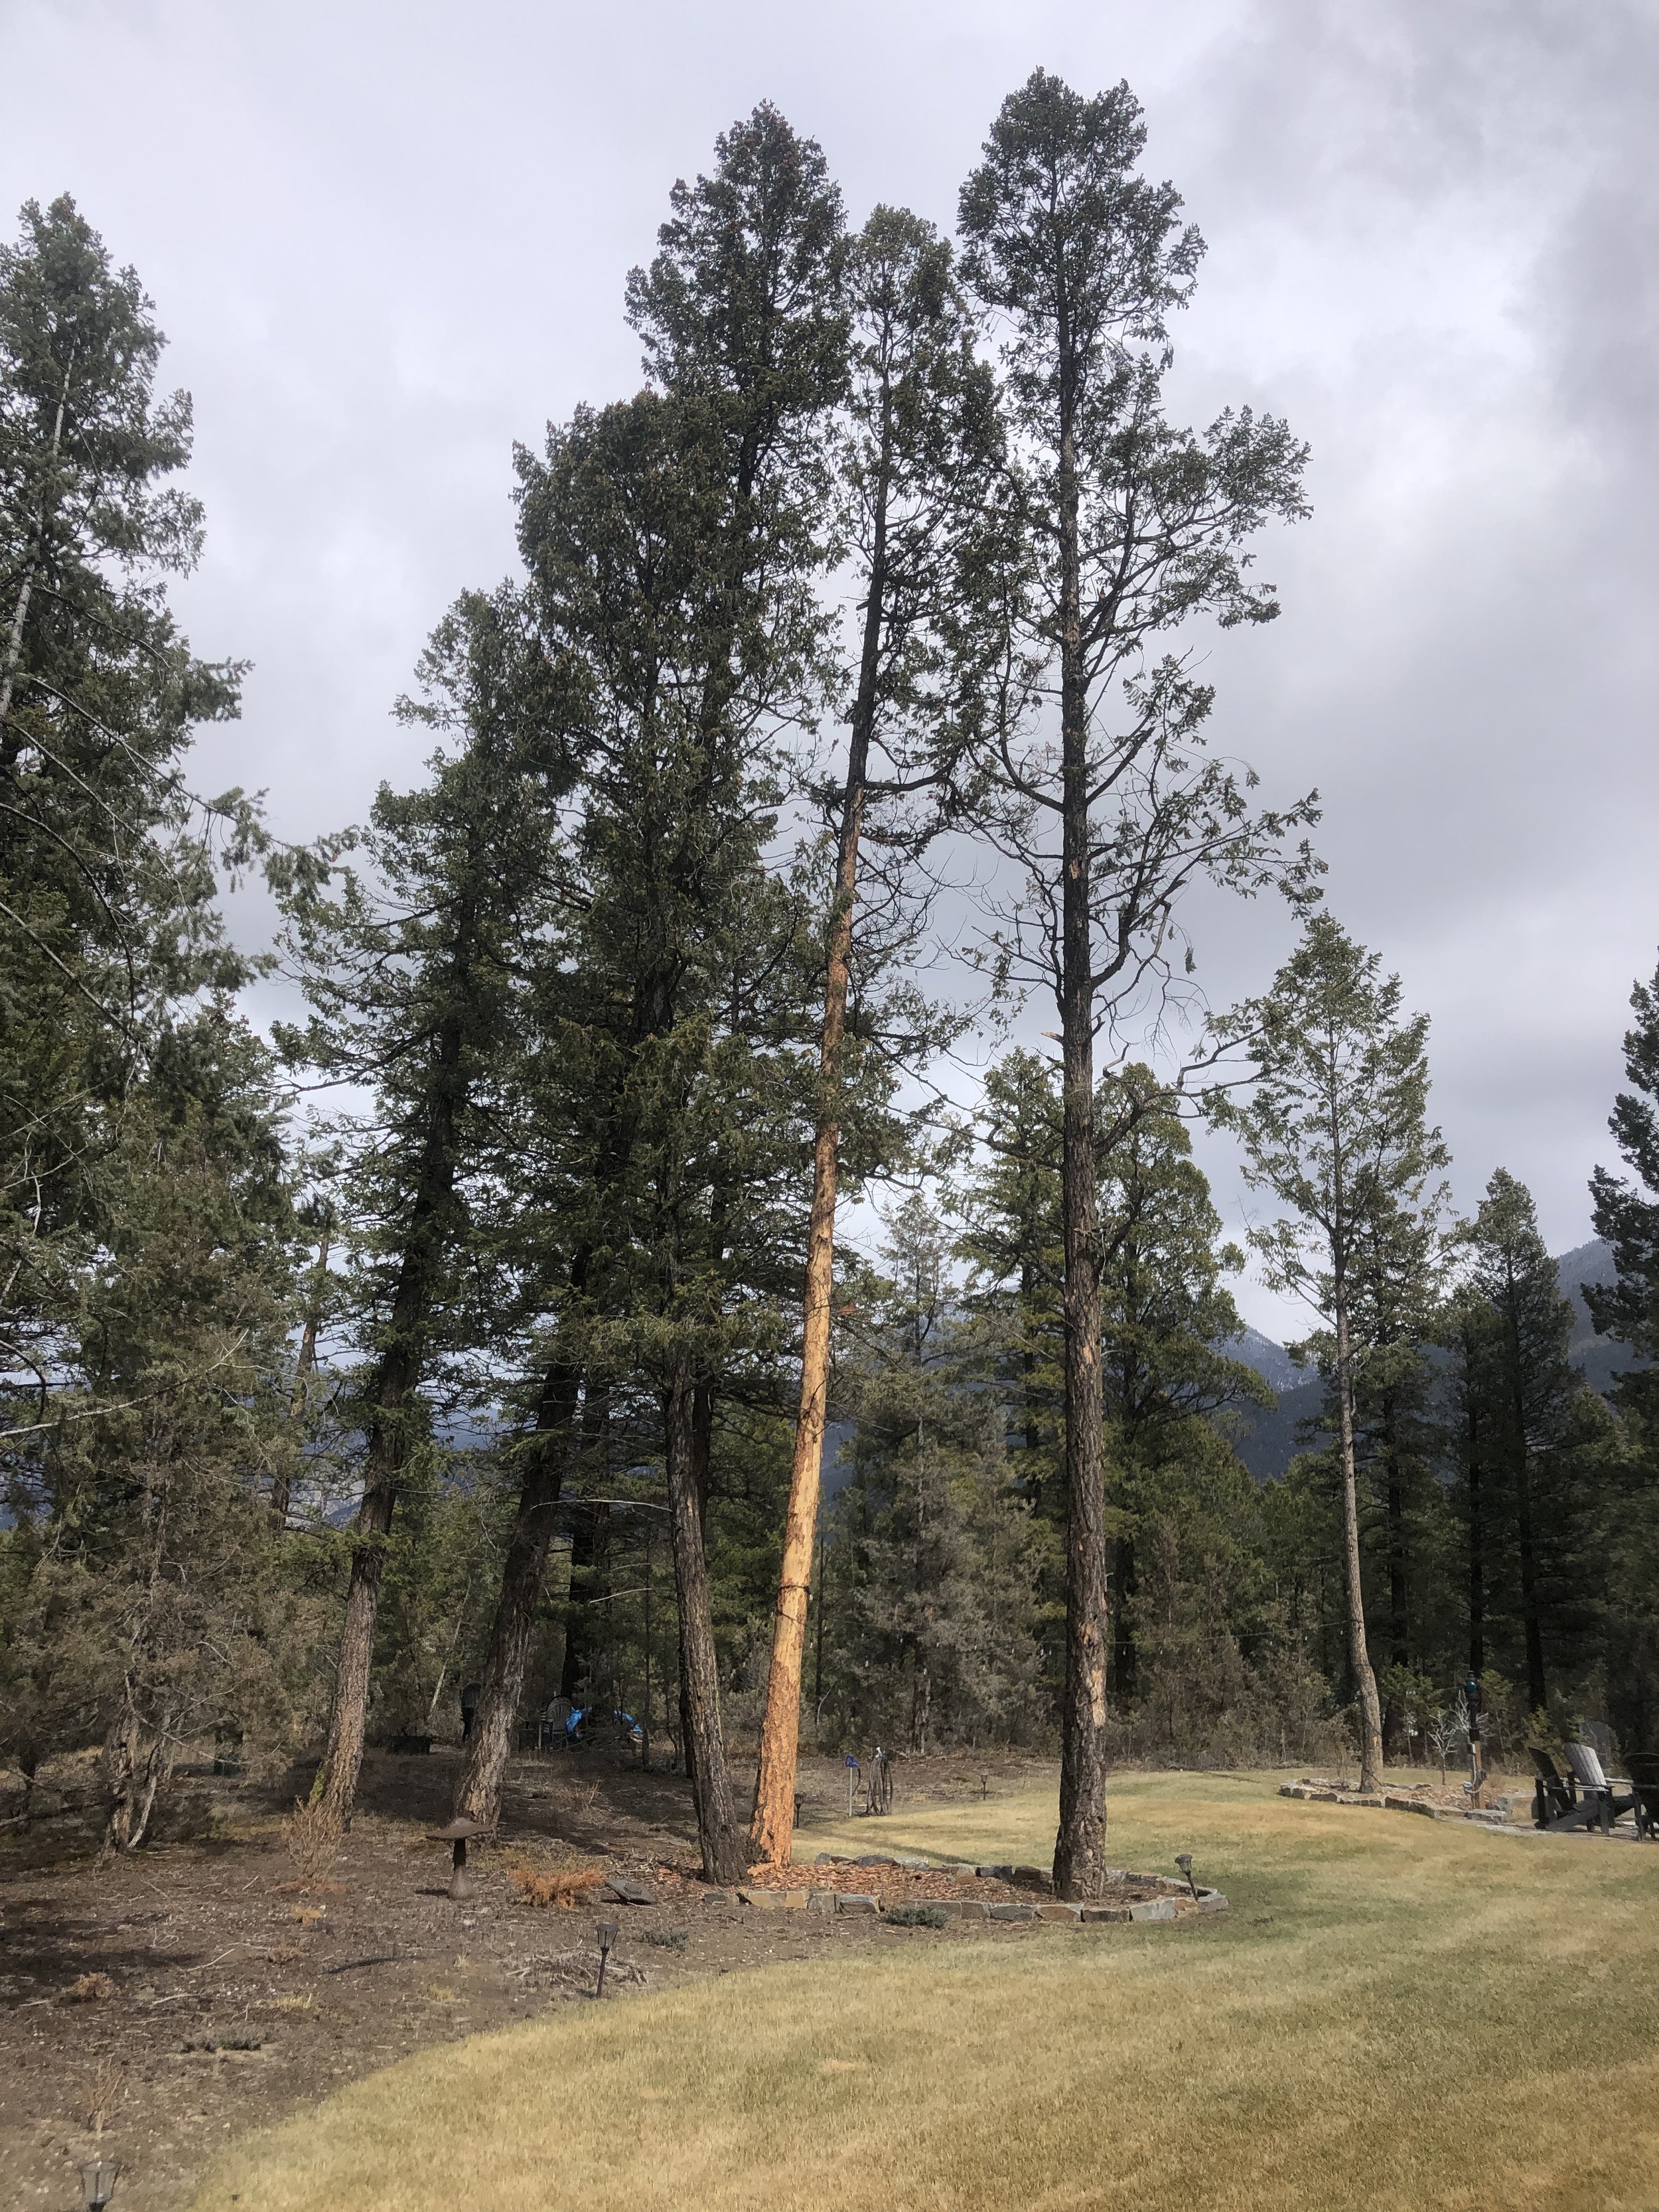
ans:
(1554, 1795)
(1600, 1797)
(1644, 1781)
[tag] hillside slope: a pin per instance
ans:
(1268, 1441)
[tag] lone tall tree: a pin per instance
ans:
(1133, 526)
(1337, 1129)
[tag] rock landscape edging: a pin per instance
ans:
(816, 1899)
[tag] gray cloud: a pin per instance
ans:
(388, 239)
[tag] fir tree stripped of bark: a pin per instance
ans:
(918, 486)
(1133, 527)
(1336, 1129)
(699, 508)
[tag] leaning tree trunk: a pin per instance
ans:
(719, 1833)
(1079, 1869)
(479, 1791)
(1370, 1711)
(772, 1834)
(137, 1753)
(391, 1429)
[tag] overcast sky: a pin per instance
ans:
(386, 239)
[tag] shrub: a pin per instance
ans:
(561, 1887)
(311, 1837)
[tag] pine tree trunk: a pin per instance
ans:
(479, 1791)
(590, 1560)
(304, 1368)
(391, 1430)
(772, 1831)
(1125, 1656)
(1080, 1844)
(1394, 1720)
(718, 1830)
(1371, 1715)
(1477, 1532)
(1537, 1687)
(21, 613)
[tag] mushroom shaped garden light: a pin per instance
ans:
(461, 1884)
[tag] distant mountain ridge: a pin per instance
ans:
(1268, 1441)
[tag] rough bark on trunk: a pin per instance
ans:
(1125, 1656)
(1371, 1714)
(21, 613)
(478, 1791)
(719, 1833)
(1537, 1686)
(1477, 1535)
(390, 1430)
(1394, 1719)
(304, 1368)
(1080, 1844)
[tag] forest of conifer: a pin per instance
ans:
(714, 1235)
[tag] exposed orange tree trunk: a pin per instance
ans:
(742, 318)
(919, 439)
(672, 543)
(1131, 526)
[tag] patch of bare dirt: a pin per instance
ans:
(154, 2007)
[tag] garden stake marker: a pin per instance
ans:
(606, 1932)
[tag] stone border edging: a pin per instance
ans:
(860, 1903)
(1394, 1801)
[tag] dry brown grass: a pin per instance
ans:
(560, 1886)
(89, 1988)
(106, 2089)
(312, 1836)
(1397, 2015)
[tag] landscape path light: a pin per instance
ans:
(98, 2183)
(985, 1782)
(1184, 1861)
(461, 1884)
(606, 1932)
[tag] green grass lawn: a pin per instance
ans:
(1395, 2013)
